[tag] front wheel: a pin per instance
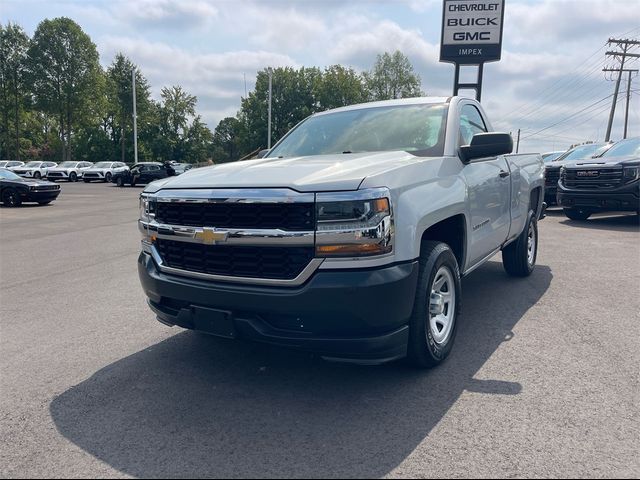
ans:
(73, 177)
(519, 257)
(119, 182)
(37, 175)
(577, 213)
(107, 177)
(11, 198)
(433, 323)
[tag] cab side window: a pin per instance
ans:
(471, 122)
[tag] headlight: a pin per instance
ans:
(353, 224)
(631, 173)
(147, 213)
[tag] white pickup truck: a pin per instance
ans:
(349, 237)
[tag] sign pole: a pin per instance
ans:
(471, 35)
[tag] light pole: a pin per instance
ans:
(135, 118)
(270, 72)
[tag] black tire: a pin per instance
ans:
(11, 197)
(423, 350)
(108, 177)
(73, 177)
(119, 182)
(46, 202)
(576, 213)
(517, 259)
(37, 175)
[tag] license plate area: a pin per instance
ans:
(214, 322)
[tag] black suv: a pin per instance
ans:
(609, 183)
(141, 173)
(552, 168)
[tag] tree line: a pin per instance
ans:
(58, 103)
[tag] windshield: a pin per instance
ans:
(102, 165)
(578, 153)
(624, 148)
(8, 175)
(67, 165)
(413, 128)
(33, 164)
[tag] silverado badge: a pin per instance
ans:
(209, 236)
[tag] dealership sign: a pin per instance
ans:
(471, 31)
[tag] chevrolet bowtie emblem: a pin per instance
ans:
(209, 236)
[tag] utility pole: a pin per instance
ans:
(629, 78)
(135, 118)
(626, 45)
(270, 71)
(626, 110)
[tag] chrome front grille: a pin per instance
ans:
(284, 216)
(281, 263)
(592, 178)
(253, 236)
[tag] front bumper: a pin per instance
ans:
(43, 196)
(623, 199)
(359, 315)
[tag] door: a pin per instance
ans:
(489, 191)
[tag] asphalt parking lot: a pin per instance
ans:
(543, 380)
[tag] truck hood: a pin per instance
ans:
(631, 160)
(303, 174)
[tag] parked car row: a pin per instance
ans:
(26, 182)
(595, 178)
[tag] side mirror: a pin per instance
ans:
(262, 153)
(486, 145)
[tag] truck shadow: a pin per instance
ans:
(195, 406)
(613, 222)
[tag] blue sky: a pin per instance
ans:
(552, 55)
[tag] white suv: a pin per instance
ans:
(70, 171)
(10, 164)
(34, 169)
(103, 171)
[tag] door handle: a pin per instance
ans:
(504, 174)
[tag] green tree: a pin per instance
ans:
(338, 87)
(120, 100)
(14, 44)
(183, 135)
(392, 77)
(292, 100)
(198, 140)
(228, 139)
(64, 74)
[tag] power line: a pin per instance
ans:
(568, 118)
(525, 106)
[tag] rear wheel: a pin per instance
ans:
(11, 198)
(519, 257)
(119, 182)
(73, 177)
(37, 175)
(577, 213)
(433, 323)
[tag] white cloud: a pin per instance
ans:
(217, 79)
